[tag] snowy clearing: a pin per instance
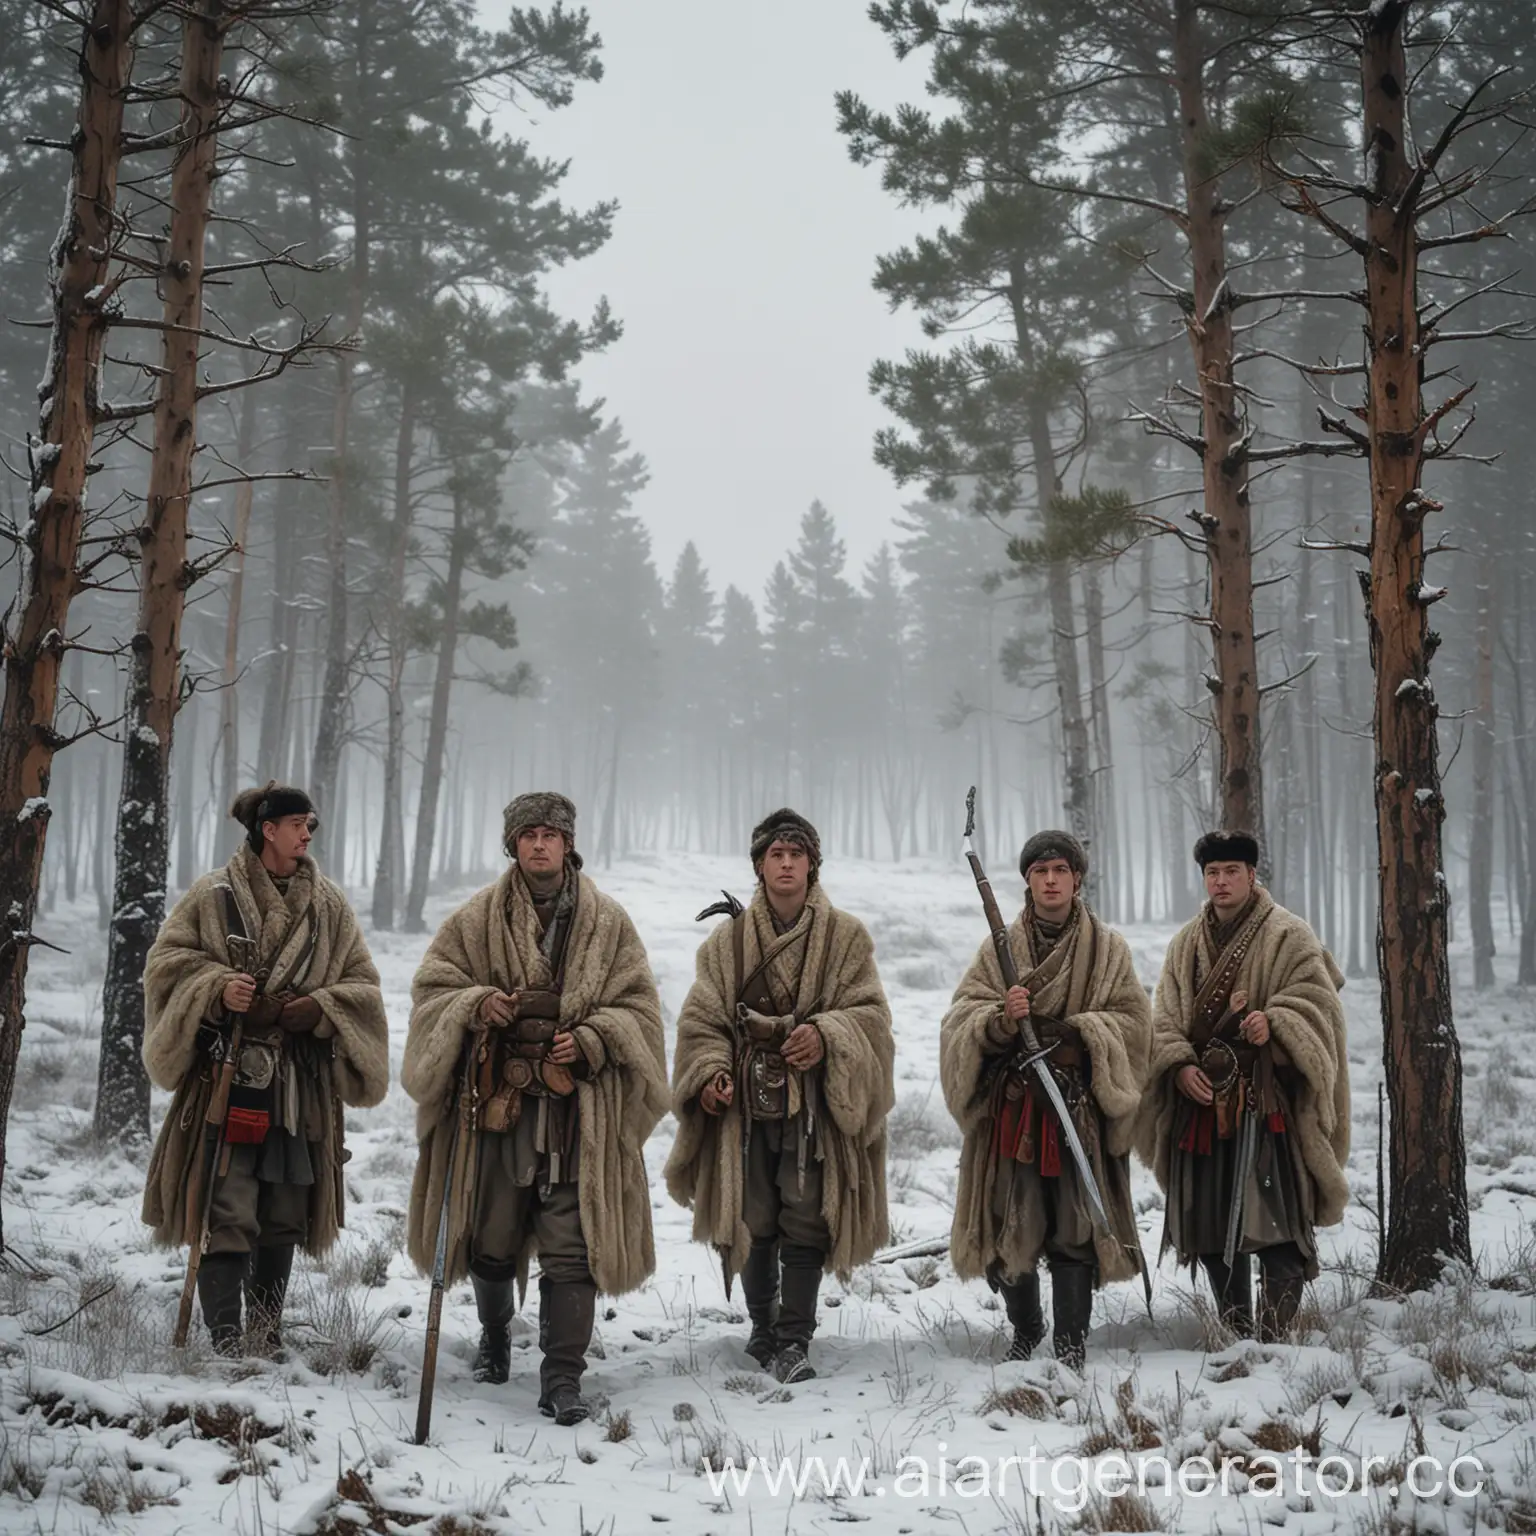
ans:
(100, 1424)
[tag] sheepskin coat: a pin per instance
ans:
(1293, 980)
(309, 941)
(608, 1002)
(856, 1077)
(1095, 993)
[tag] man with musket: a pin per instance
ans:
(536, 1021)
(269, 948)
(1022, 1197)
(781, 1083)
(1246, 1124)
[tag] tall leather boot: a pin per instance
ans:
(566, 1312)
(1283, 1279)
(219, 1282)
(760, 1288)
(1233, 1290)
(800, 1286)
(495, 1301)
(266, 1289)
(1021, 1299)
(1071, 1312)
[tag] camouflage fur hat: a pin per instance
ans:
(539, 808)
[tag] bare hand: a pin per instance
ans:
(563, 1049)
(238, 992)
(716, 1095)
(496, 1011)
(1016, 1004)
(1255, 1028)
(1194, 1084)
(805, 1047)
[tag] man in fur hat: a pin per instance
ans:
(781, 1082)
(270, 938)
(542, 980)
(1249, 1081)
(1020, 1196)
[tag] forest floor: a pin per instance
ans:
(104, 1425)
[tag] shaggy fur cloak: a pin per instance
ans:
(1290, 977)
(1099, 996)
(610, 1004)
(857, 1080)
(309, 941)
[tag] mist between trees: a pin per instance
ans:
(1139, 473)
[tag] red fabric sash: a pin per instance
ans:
(1200, 1129)
(1012, 1124)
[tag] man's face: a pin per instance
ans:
(289, 839)
(1229, 884)
(787, 871)
(540, 850)
(1052, 883)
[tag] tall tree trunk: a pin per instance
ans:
(437, 726)
(187, 767)
(1227, 517)
(154, 671)
(229, 704)
(1427, 1221)
(1114, 857)
(337, 687)
(387, 878)
(37, 620)
(1480, 853)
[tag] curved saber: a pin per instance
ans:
(1035, 1055)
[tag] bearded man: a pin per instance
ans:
(270, 938)
(781, 1083)
(1246, 1125)
(1021, 1198)
(544, 982)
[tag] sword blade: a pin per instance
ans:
(1247, 1151)
(1079, 1156)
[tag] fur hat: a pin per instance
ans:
(1054, 845)
(1224, 847)
(539, 808)
(271, 802)
(786, 826)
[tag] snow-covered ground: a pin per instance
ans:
(100, 1421)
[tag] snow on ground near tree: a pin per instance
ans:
(99, 1420)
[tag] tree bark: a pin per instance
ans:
(336, 690)
(229, 704)
(1480, 852)
(388, 877)
(1427, 1221)
(437, 727)
(37, 621)
(1224, 462)
(154, 671)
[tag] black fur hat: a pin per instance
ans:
(790, 827)
(1054, 845)
(1224, 847)
(272, 802)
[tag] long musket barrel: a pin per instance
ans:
(205, 1171)
(440, 1261)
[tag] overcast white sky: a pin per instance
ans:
(740, 266)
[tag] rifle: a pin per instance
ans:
(440, 1258)
(206, 1171)
(1032, 1059)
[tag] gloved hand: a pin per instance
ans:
(299, 1015)
(264, 1012)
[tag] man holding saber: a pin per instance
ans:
(262, 1001)
(1031, 1185)
(1246, 1124)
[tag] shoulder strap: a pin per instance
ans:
(752, 990)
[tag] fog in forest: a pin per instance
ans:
(721, 434)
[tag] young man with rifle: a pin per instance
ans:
(263, 1013)
(781, 1081)
(543, 980)
(1246, 1124)
(1043, 1056)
